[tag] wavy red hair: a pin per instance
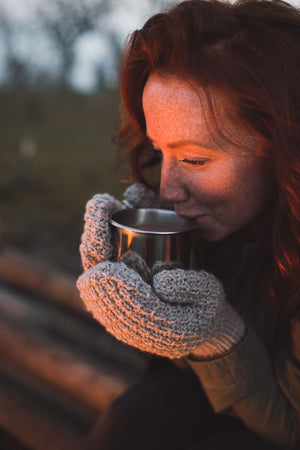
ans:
(250, 50)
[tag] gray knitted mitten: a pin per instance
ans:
(139, 196)
(184, 311)
(96, 239)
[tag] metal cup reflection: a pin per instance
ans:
(156, 235)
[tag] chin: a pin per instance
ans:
(212, 235)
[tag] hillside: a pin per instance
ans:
(56, 152)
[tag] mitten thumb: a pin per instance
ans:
(220, 325)
(95, 243)
(188, 287)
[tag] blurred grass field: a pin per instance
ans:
(56, 152)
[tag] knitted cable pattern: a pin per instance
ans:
(183, 311)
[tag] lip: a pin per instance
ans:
(190, 216)
(186, 216)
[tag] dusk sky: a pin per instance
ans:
(91, 49)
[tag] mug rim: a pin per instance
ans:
(190, 223)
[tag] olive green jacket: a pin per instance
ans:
(259, 381)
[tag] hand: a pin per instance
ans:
(96, 239)
(139, 196)
(182, 312)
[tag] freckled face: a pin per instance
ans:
(225, 186)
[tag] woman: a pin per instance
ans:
(211, 90)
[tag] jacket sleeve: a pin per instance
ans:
(263, 392)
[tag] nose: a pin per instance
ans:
(172, 188)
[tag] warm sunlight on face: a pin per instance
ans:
(225, 186)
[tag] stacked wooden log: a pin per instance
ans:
(59, 369)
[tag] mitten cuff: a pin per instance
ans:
(232, 330)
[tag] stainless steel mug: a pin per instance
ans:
(157, 235)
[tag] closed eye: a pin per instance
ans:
(194, 162)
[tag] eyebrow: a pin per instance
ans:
(185, 142)
(189, 142)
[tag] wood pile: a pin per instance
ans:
(58, 368)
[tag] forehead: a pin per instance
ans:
(173, 101)
(175, 108)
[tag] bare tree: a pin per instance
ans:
(65, 21)
(16, 70)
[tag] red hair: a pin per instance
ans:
(250, 50)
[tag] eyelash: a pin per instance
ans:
(193, 162)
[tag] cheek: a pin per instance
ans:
(243, 188)
(214, 185)
(247, 192)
